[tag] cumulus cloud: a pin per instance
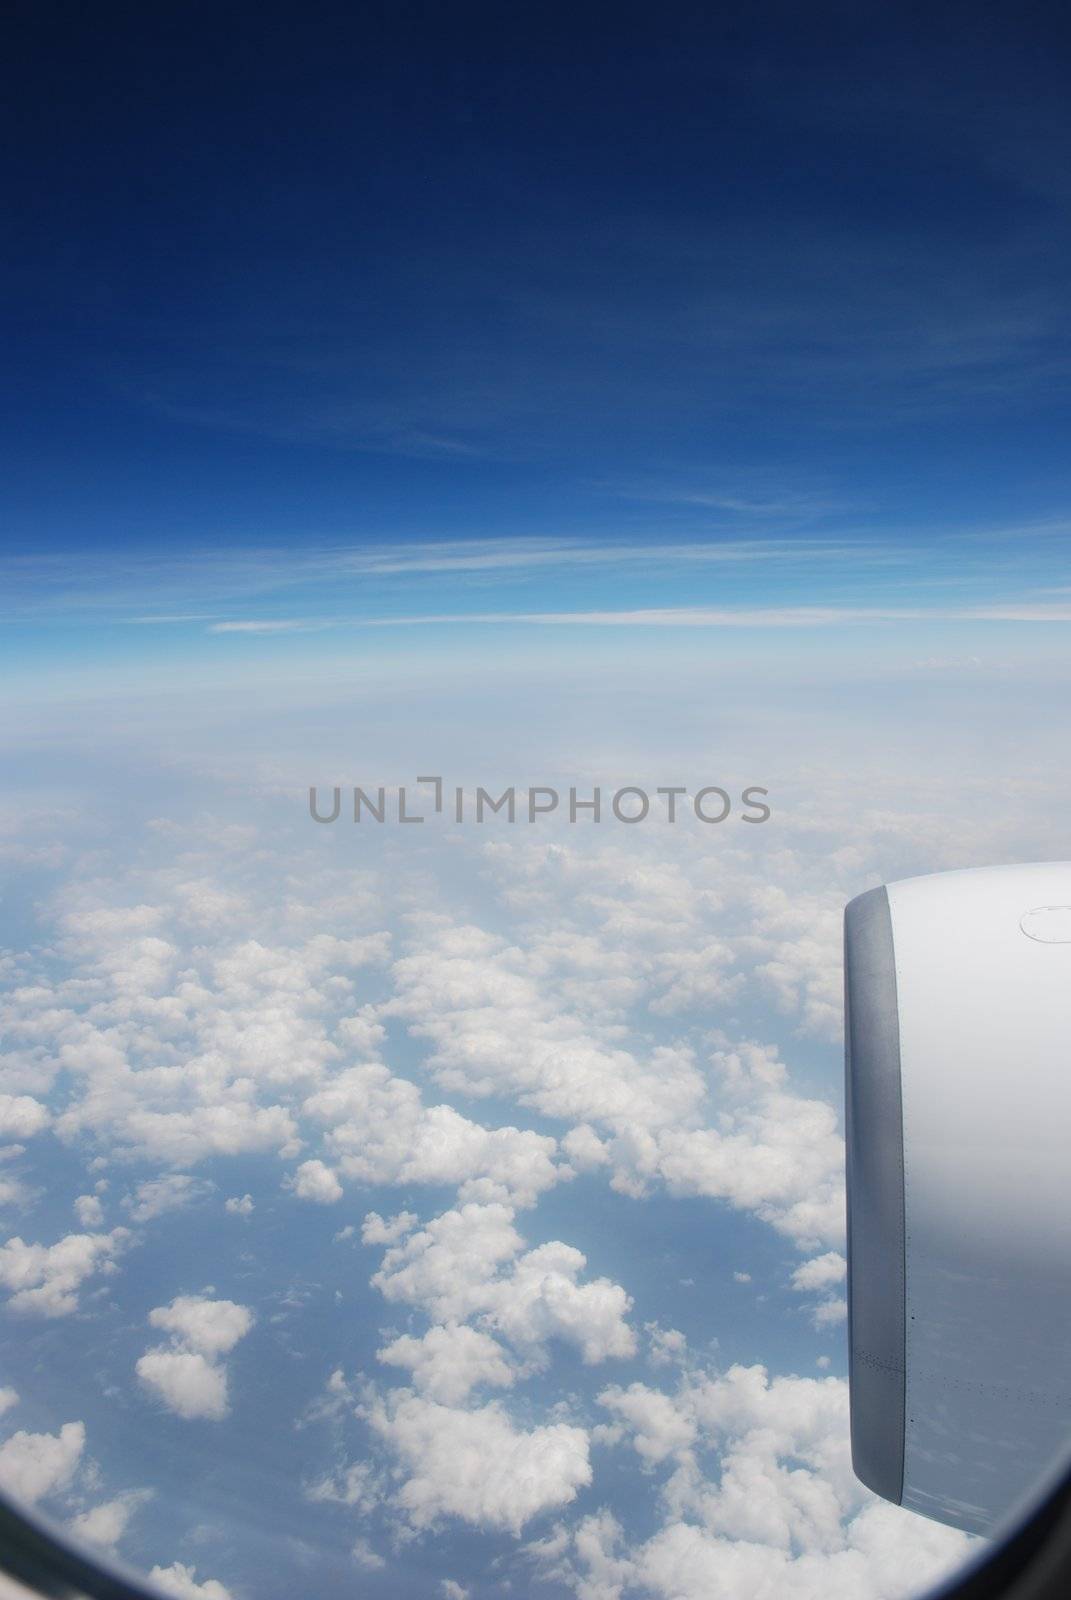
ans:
(588, 991)
(757, 1496)
(494, 1029)
(797, 938)
(541, 1299)
(475, 1465)
(13, 1192)
(366, 1558)
(21, 1116)
(780, 1156)
(877, 1560)
(181, 1581)
(105, 1524)
(239, 1205)
(658, 1427)
(188, 1376)
(379, 1131)
(183, 1137)
(176, 1051)
(315, 1181)
(780, 1514)
(378, 1230)
(507, 1019)
(667, 1345)
(33, 1465)
(471, 1262)
(449, 1362)
(586, 1151)
(448, 1267)
(44, 1280)
(212, 1326)
(821, 1272)
(819, 1275)
(173, 1192)
(187, 1382)
(827, 1313)
(355, 1484)
(89, 1211)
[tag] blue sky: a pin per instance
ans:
(400, 274)
(525, 399)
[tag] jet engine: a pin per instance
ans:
(958, 1123)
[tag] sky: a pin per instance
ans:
(504, 396)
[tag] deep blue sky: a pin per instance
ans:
(381, 272)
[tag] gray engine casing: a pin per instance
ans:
(958, 1117)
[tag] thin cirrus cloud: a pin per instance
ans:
(675, 617)
(147, 590)
(764, 579)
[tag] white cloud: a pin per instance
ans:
(211, 1130)
(183, 1047)
(21, 1116)
(796, 944)
(780, 1513)
(658, 1426)
(354, 1485)
(89, 1211)
(827, 1313)
(779, 1156)
(447, 1268)
(543, 1022)
(211, 1326)
(105, 1524)
(452, 1590)
(239, 1205)
(449, 1362)
(189, 1377)
(495, 1028)
(475, 1465)
(379, 1131)
(187, 1382)
(181, 1036)
(181, 1581)
(821, 1272)
(667, 1345)
(44, 1279)
(376, 1230)
(315, 1181)
(877, 1560)
(33, 1465)
(8, 1398)
(367, 1559)
(819, 1275)
(541, 1299)
(13, 1192)
(173, 1192)
(471, 1261)
(585, 1149)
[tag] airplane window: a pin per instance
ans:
(534, 909)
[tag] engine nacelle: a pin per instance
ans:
(958, 1121)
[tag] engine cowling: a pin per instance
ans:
(958, 1117)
